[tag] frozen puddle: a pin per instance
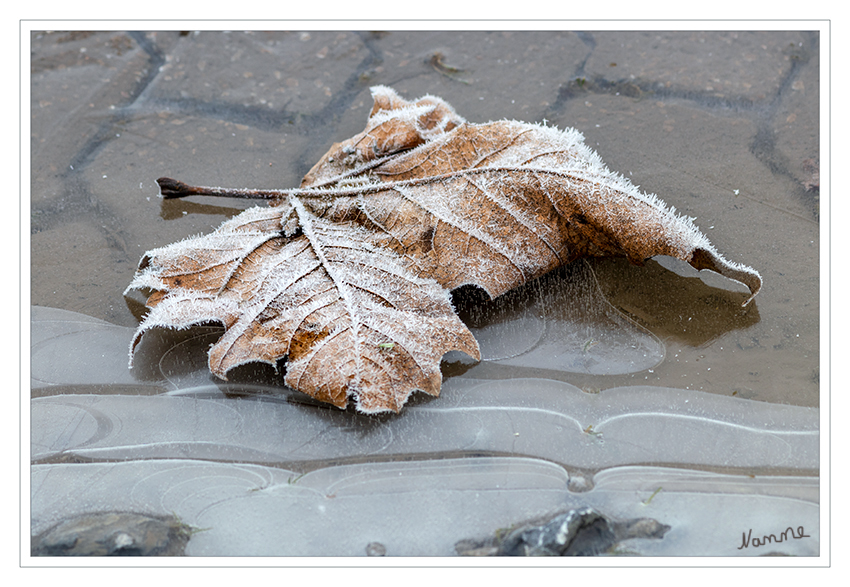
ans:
(423, 508)
(279, 475)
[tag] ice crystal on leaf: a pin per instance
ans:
(348, 276)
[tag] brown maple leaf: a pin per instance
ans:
(348, 277)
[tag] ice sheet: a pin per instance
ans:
(531, 417)
(420, 508)
(269, 471)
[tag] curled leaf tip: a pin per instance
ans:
(708, 258)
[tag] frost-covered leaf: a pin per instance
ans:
(348, 276)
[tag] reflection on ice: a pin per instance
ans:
(708, 277)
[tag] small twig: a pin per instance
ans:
(649, 499)
(592, 432)
(590, 342)
(450, 71)
(294, 480)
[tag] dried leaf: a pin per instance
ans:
(348, 276)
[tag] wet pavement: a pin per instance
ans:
(601, 384)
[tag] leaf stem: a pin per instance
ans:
(171, 189)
